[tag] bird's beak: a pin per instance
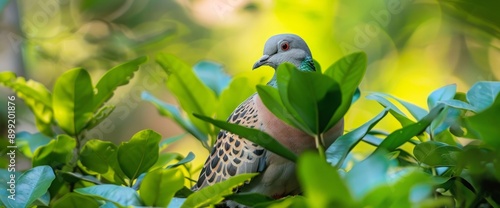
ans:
(262, 61)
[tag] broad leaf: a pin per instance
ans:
(101, 157)
(100, 116)
(192, 94)
(444, 93)
(270, 97)
(139, 154)
(436, 154)
(115, 77)
(315, 102)
(36, 96)
(321, 183)
(159, 186)
(28, 143)
(359, 184)
(337, 152)
(121, 195)
(30, 186)
(254, 135)
(484, 125)
(212, 75)
(482, 94)
(173, 112)
(73, 92)
(237, 92)
(56, 153)
(399, 137)
(214, 194)
(348, 73)
(75, 200)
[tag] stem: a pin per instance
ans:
(318, 138)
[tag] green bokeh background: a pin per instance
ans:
(413, 47)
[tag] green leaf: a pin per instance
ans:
(416, 111)
(482, 94)
(56, 153)
(121, 195)
(188, 158)
(249, 199)
(36, 96)
(75, 200)
(30, 186)
(399, 137)
(173, 112)
(100, 116)
(192, 94)
(167, 142)
(359, 184)
(115, 77)
(270, 97)
(139, 154)
(238, 91)
(102, 157)
(212, 75)
(435, 154)
(321, 183)
(484, 125)
(316, 102)
(211, 195)
(395, 112)
(73, 92)
(444, 93)
(28, 143)
(296, 201)
(253, 135)
(337, 152)
(348, 73)
(160, 186)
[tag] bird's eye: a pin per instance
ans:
(285, 46)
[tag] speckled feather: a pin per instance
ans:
(232, 154)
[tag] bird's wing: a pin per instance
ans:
(232, 154)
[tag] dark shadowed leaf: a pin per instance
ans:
(253, 135)
(348, 73)
(159, 186)
(210, 195)
(72, 94)
(249, 199)
(436, 154)
(321, 183)
(115, 77)
(140, 153)
(101, 157)
(337, 152)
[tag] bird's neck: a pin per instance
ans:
(306, 65)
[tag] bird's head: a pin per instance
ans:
(286, 48)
